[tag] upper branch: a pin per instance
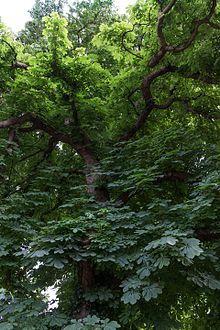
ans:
(185, 103)
(169, 7)
(198, 23)
(125, 47)
(149, 79)
(15, 63)
(164, 47)
(160, 34)
(148, 98)
(161, 16)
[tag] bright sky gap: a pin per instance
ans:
(14, 13)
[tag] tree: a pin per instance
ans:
(85, 18)
(32, 33)
(110, 173)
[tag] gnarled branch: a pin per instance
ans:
(148, 98)
(160, 34)
(164, 47)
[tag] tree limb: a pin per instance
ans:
(198, 23)
(82, 149)
(161, 37)
(148, 98)
(20, 65)
(205, 79)
(125, 47)
(164, 47)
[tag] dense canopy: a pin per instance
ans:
(110, 185)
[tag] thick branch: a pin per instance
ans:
(166, 105)
(21, 65)
(169, 7)
(205, 79)
(148, 98)
(82, 149)
(146, 85)
(161, 16)
(160, 34)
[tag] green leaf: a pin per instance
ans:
(39, 253)
(76, 326)
(143, 273)
(205, 280)
(3, 253)
(131, 283)
(91, 320)
(130, 297)
(162, 262)
(6, 326)
(112, 326)
(166, 240)
(191, 248)
(151, 291)
(56, 263)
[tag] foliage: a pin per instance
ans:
(110, 167)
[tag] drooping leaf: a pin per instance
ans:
(151, 291)
(130, 297)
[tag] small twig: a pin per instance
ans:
(129, 95)
(214, 25)
(123, 41)
(31, 155)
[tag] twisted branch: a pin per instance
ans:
(148, 98)
(164, 47)
(123, 42)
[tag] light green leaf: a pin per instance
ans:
(3, 253)
(206, 280)
(166, 240)
(131, 283)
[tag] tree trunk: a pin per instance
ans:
(86, 267)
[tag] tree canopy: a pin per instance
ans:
(110, 189)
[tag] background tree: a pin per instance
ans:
(110, 172)
(32, 33)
